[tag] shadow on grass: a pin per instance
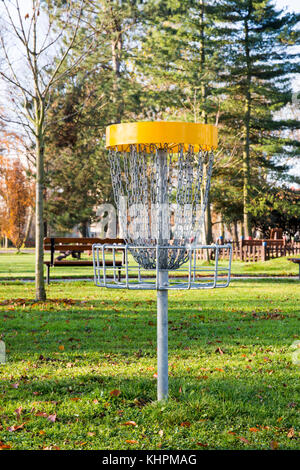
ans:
(102, 328)
(217, 398)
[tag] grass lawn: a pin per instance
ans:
(81, 368)
(21, 266)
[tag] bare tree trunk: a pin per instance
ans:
(39, 221)
(28, 225)
(84, 229)
(116, 50)
(235, 231)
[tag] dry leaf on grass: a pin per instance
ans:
(52, 418)
(16, 427)
(129, 423)
(115, 393)
(274, 445)
(185, 424)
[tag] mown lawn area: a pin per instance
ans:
(21, 266)
(80, 371)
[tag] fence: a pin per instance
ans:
(256, 250)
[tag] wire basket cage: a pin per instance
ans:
(108, 272)
(161, 193)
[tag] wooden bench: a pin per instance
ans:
(297, 261)
(69, 246)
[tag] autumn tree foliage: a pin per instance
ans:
(17, 197)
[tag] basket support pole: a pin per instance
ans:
(162, 292)
(162, 338)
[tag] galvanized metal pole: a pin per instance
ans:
(162, 338)
(162, 292)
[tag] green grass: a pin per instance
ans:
(233, 384)
(21, 266)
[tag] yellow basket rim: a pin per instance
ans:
(163, 134)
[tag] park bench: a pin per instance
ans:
(297, 261)
(69, 246)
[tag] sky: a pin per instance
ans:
(291, 4)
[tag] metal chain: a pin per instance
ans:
(186, 182)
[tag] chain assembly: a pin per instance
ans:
(140, 192)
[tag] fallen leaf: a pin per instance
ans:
(186, 424)
(4, 446)
(91, 434)
(41, 413)
(219, 350)
(61, 348)
(52, 418)
(16, 385)
(16, 427)
(201, 445)
(18, 412)
(132, 441)
(243, 439)
(161, 433)
(274, 445)
(291, 433)
(129, 423)
(253, 429)
(115, 393)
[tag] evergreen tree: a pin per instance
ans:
(256, 42)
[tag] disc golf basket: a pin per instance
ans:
(161, 174)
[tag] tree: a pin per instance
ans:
(77, 171)
(257, 41)
(17, 199)
(105, 91)
(226, 62)
(42, 55)
(277, 207)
